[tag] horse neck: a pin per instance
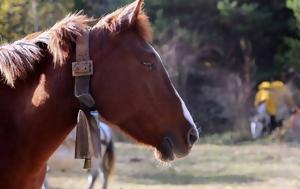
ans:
(50, 114)
(61, 109)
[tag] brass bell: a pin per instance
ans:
(87, 163)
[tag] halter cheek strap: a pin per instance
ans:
(88, 142)
(82, 70)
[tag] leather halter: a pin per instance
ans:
(88, 142)
(82, 70)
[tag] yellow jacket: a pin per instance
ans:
(276, 95)
(261, 97)
(263, 93)
(279, 95)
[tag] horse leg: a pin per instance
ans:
(105, 179)
(108, 162)
(104, 171)
(94, 173)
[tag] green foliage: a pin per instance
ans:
(49, 12)
(21, 17)
(248, 19)
(295, 6)
(241, 18)
(13, 19)
(223, 23)
(290, 59)
(226, 7)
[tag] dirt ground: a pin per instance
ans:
(255, 166)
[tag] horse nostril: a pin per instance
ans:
(192, 136)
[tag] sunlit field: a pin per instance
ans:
(245, 166)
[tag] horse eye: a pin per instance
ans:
(149, 65)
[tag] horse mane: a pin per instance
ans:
(142, 25)
(64, 33)
(18, 58)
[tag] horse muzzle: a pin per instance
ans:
(170, 147)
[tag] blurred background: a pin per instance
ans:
(217, 53)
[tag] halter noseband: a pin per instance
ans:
(88, 142)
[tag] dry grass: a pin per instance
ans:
(254, 166)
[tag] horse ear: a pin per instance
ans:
(129, 14)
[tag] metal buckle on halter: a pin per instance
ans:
(82, 68)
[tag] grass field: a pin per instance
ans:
(255, 166)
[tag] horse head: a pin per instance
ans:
(131, 86)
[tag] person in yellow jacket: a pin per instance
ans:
(273, 103)
(261, 121)
(280, 103)
(263, 93)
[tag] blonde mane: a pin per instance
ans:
(142, 24)
(64, 33)
(18, 58)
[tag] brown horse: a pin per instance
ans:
(130, 86)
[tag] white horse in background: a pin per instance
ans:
(260, 122)
(100, 167)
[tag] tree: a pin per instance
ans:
(14, 19)
(21, 17)
(289, 60)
